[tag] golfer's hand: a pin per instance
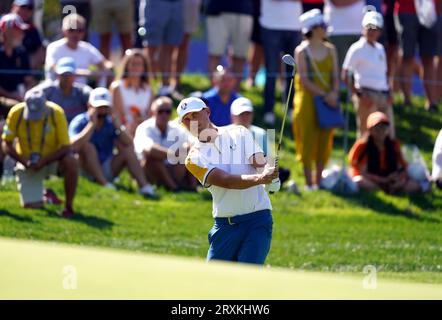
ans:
(267, 176)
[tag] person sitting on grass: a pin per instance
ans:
(437, 161)
(94, 135)
(377, 161)
(161, 146)
(40, 130)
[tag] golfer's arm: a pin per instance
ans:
(220, 178)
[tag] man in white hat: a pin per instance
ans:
(231, 165)
(94, 135)
(366, 60)
(43, 148)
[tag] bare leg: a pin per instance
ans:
(407, 77)
(439, 79)
(167, 63)
(429, 77)
(308, 176)
(91, 164)
(152, 54)
(157, 171)
(183, 53)
(319, 169)
(179, 173)
(393, 63)
(214, 61)
(105, 42)
(126, 42)
(69, 168)
(127, 158)
(238, 69)
(255, 60)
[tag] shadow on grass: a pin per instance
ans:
(373, 202)
(91, 221)
(8, 214)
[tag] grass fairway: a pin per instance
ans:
(45, 271)
(401, 236)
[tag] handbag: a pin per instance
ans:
(328, 116)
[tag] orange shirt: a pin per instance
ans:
(358, 164)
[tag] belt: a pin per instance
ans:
(242, 218)
(385, 92)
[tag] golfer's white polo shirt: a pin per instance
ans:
(231, 152)
(369, 65)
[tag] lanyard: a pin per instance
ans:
(43, 134)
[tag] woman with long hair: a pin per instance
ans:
(131, 91)
(317, 75)
(377, 161)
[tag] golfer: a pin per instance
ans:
(228, 162)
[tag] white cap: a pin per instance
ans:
(373, 18)
(100, 97)
(311, 19)
(241, 105)
(189, 105)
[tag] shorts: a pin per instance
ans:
(412, 33)
(229, 27)
(30, 182)
(164, 22)
(191, 15)
(390, 36)
(105, 12)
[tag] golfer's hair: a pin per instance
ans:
(159, 102)
(71, 21)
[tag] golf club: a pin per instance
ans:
(290, 61)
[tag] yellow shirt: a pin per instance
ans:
(56, 131)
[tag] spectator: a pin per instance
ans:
(42, 148)
(229, 21)
(367, 60)
(439, 64)
(412, 34)
(256, 53)
(5, 5)
(107, 11)
(32, 41)
(84, 54)
(242, 115)
(131, 93)
(437, 161)
(65, 91)
(94, 134)
(164, 22)
(81, 7)
(191, 21)
(377, 161)
(15, 77)
(392, 42)
(344, 18)
(280, 34)
(314, 144)
(161, 146)
(221, 96)
(308, 5)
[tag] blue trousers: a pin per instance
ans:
(243, 239)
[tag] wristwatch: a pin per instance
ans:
(119, 130)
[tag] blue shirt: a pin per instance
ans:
(219, 111)
(102, 139)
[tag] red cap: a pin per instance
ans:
(12, 20)
(376, 118)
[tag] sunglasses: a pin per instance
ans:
(382, 126)
(76, 30)
(27, 7)
(165, 111)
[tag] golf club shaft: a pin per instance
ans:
(284, 117)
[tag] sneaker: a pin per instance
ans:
(148, 192)
(67, 213)
(310, 188)
(269, 118)
(50, 197)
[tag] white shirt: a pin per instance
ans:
(281, 15)
(437, 157)
(135, 100)
(344, 20)
(369, 65)
(84, 56)
(148, 134)
(231, 152)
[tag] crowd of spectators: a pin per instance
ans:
(71, 108)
